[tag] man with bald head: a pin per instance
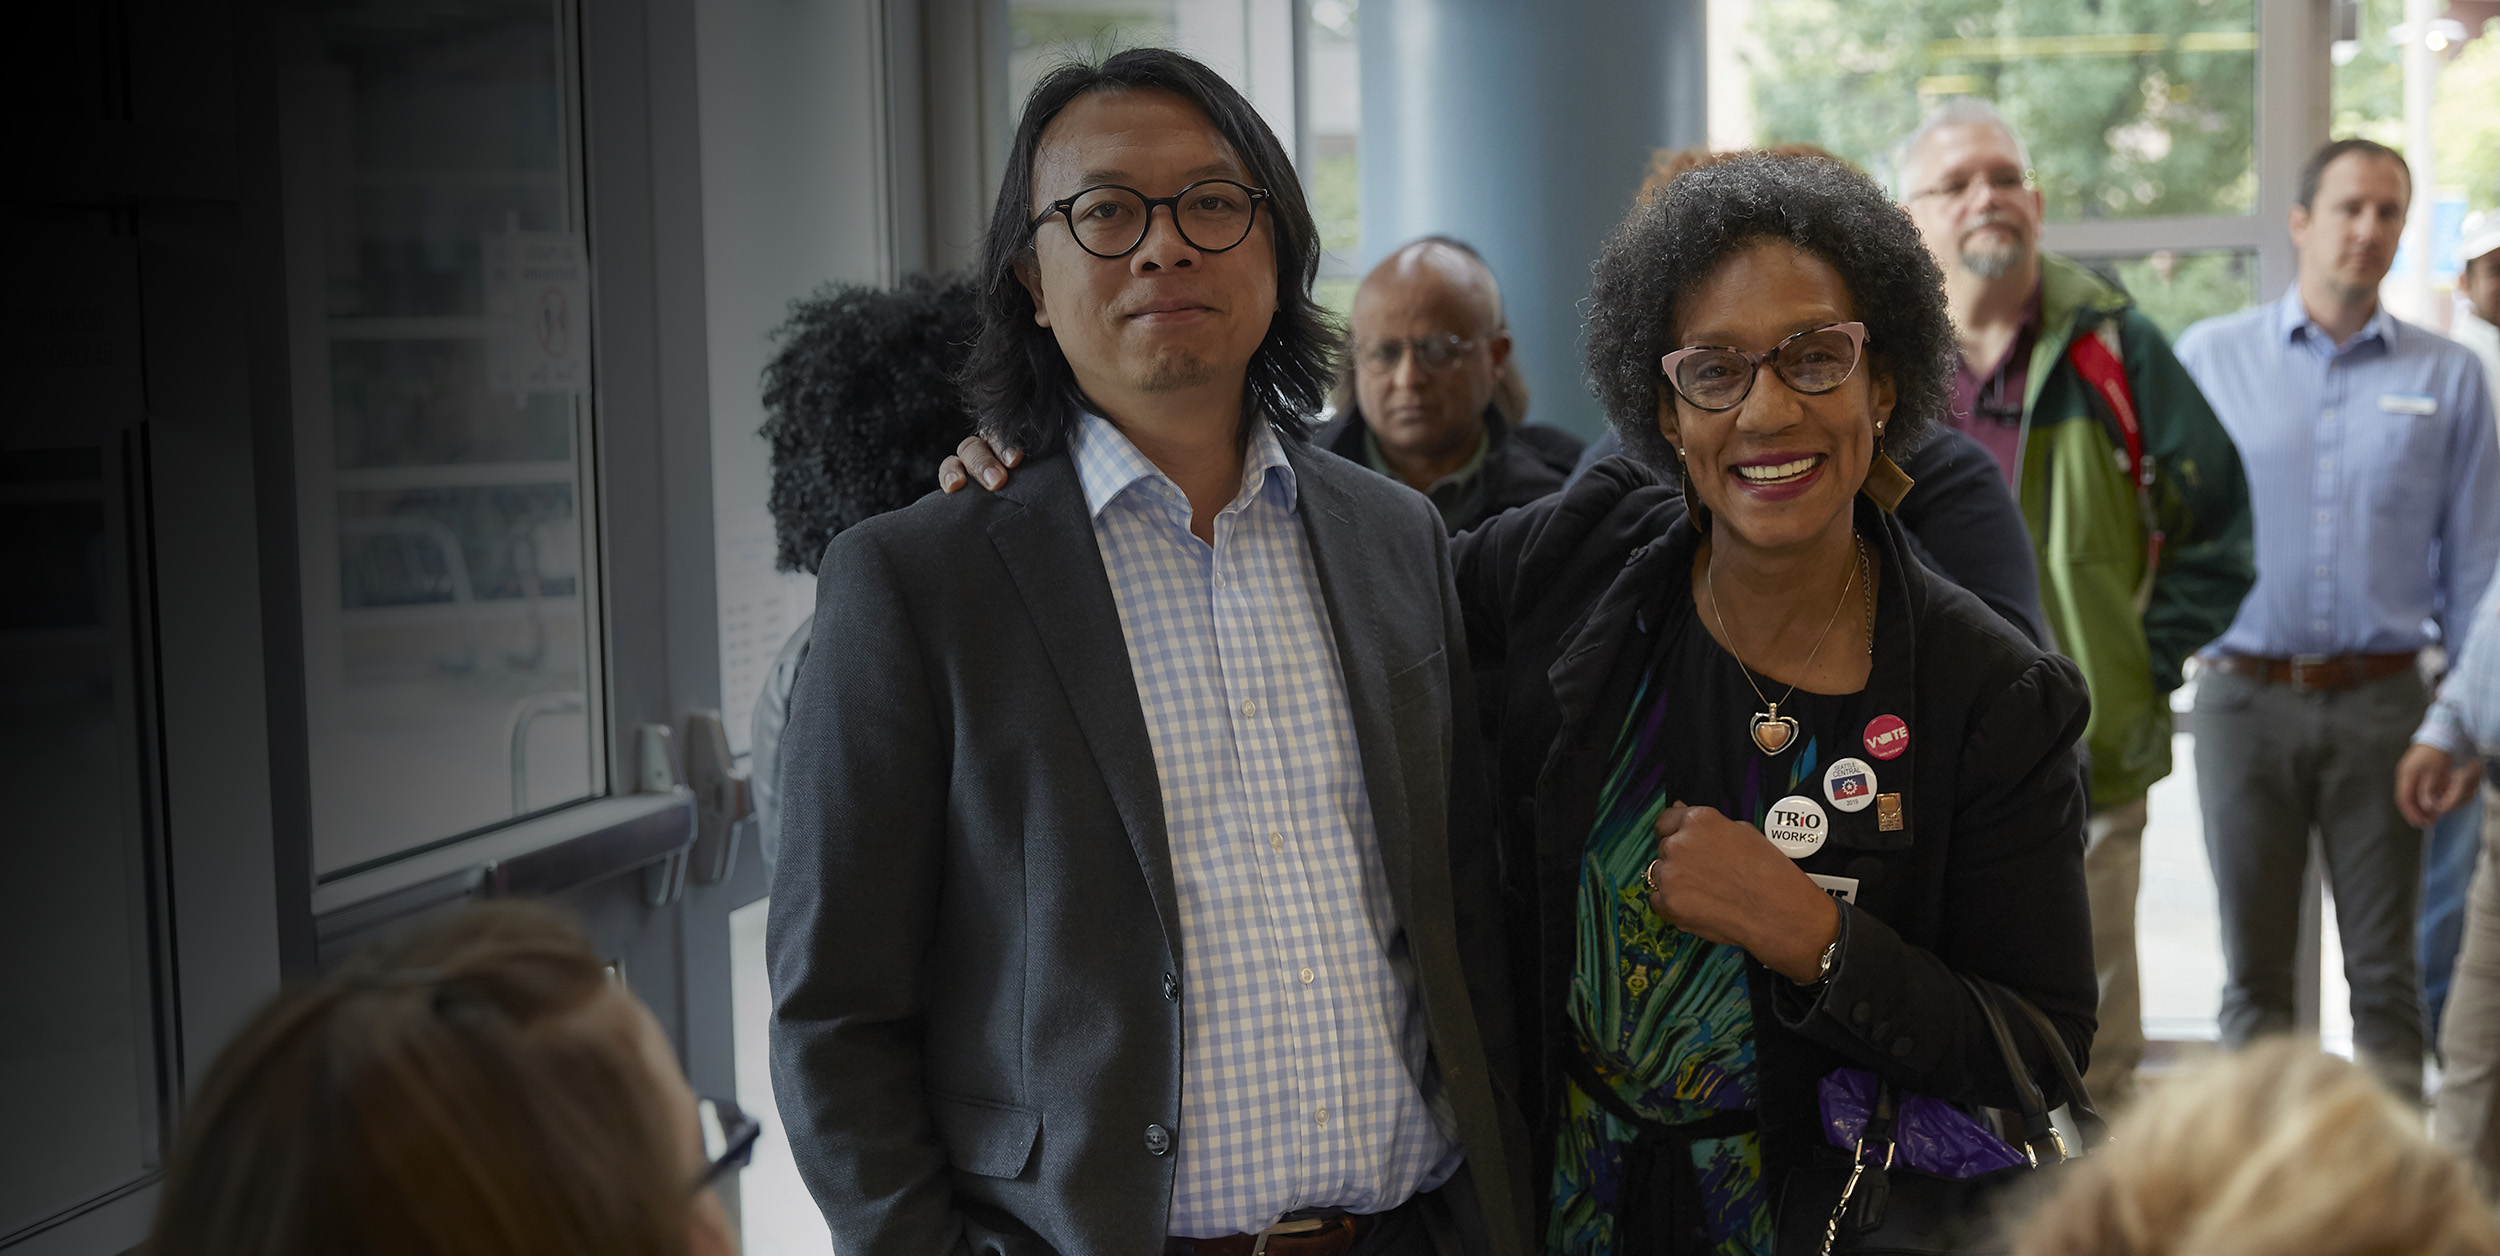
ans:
(2131, 490)
(1423, 399)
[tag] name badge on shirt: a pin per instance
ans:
(2407, 403)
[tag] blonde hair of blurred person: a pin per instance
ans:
(482, 1088)
(2279, 1149)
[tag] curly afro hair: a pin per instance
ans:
(1671, 243)
(861, 403)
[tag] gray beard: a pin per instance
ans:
(1993, 263)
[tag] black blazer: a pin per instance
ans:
(974, 944)
(1986, 877)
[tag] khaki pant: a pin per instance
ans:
(2467, 1113)
(2113, 867)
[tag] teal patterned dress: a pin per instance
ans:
(1663, 1017)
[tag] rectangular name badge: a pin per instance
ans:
(2407, 403)
(1843, 888)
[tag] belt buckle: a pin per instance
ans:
(1290, 1227)
(2304, 666)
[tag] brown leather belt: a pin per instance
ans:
(1331, 1235)
(2313, 671)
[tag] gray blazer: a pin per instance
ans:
(974, 943)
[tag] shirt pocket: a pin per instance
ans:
(2406, 456)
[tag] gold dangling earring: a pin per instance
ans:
(1886, 483)
(1693, 512)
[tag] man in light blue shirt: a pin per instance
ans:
(2370, 456)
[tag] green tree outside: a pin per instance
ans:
(2130, 107)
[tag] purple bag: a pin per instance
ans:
(1929, 1135)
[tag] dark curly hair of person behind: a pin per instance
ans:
(1669, 245)
(860, 402)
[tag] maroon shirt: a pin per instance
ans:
(1989, 406)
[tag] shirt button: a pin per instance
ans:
(2321, 573)
(1276, 841)
(1322, 1118)
(1249, 708)
(2324, 515)
(1307, 975)
(2330, 413)
(1219, 580)
(1901, 1048)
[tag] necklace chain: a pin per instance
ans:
(1857, 576)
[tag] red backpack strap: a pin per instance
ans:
(2095, 357)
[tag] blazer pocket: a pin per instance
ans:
(1418, 680)
(990, 1139)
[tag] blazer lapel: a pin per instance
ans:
(1051, 554)
(1339, 552)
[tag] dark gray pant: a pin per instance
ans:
(2272, 764)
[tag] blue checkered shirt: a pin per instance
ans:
(1304, 1075)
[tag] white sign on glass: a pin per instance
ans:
(538, 312)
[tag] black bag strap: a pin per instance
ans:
(2031, 1105)
(1996, 1003)
(2088, 1123)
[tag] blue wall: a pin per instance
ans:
(1524, 130)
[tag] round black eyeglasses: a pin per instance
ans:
(728, 1138)
(1816, 360)
(1110, 221)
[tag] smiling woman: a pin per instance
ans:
(1778, 794)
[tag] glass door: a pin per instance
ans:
(440, 301)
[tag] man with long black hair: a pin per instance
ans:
(1131, 896)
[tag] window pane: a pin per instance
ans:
(441, 348)
(2175, 288)
(1043, 33)
(2460, 173)
(2129, 107)
(1333, 57)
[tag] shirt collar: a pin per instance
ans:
(1108, 465)
(2291, 318)
(1466, 472)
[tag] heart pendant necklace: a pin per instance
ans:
(1772, 731)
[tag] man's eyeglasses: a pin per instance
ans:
(1996, 181)
(1813, 361)
(1110, 221)
(1433, 353)
(728, 1138)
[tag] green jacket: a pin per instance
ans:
(2087, 526)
